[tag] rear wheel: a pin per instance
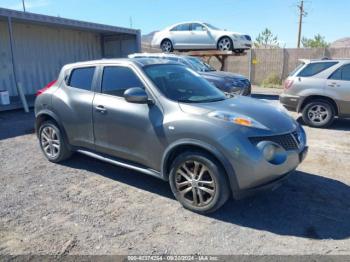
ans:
(318, 113)
(52, 142)
(225, 44)
(166, 46)
(198, 182)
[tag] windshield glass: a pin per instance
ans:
(211, 26)
(199, 65)
(182, 84)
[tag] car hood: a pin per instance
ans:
(274, 117)
(222, 74)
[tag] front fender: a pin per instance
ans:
(205, 146)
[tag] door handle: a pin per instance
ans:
(333, 85)
(101, 109)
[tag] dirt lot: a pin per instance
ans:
(84, 206)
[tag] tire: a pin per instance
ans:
(205, 194)
(225, 44)
(167, 46)
(318, 113)
(52, 142)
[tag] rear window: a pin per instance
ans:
(296, 69)
(315, 68)
(82, 78)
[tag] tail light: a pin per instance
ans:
(288, 84)
(39, 92)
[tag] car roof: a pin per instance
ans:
(127, 61)
(160, 55)
(308, 61)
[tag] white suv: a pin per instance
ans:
(199, 35)
(320, 90)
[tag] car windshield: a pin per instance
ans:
(180, 83)
(211, 26)
(199, 65)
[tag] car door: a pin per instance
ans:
(338, 87)
(73, 104)
(181, 36)
(129, 131)
(201, 36)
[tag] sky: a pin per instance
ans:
(328, 18)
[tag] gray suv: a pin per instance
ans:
(320, 90)
(161, 118)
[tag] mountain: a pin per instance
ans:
(342, 42)
(147, 39)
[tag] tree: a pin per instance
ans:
(266, 39)
(317, 41)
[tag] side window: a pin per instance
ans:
(336, 75)
(342, 73)
(197, 27)
(182, 27)
(116, 79)
(82, 78)
(315, 68)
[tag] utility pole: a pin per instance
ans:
(130, 20)
(24, 6)
(302, 13)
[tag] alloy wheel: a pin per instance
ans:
(195, 183)
(166, 46)
(224, 44)
(318, 114)
(50, 142)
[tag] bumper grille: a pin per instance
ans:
(287, 141)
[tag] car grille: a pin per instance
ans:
(287, 141)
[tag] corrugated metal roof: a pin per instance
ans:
(52, 20)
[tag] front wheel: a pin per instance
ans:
(167, 46)
(198, 182)
(318, 113)
(225, 44)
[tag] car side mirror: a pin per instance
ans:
(136, 95)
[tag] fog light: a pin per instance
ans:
(272, 152)
(269, 152)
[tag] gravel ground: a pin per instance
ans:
(84, 206)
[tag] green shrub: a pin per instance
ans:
(272, 81)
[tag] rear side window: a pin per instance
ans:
(182, 27)
(82, 78)
(197, 27)
(116, 79)
(342, 73)
(315, 68)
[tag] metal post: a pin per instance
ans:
(250, 60)
(18, 87)
(24, 6)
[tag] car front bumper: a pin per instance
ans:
(271, 184)
(242, 44)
